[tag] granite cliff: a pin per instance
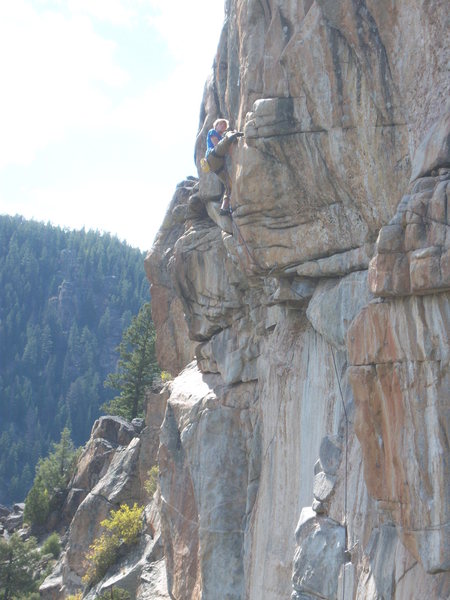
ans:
(304, 449)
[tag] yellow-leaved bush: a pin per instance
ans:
(151, 483)
(125, 523)
(123, 527)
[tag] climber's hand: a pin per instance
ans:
(236, 134)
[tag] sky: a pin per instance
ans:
(99, 108)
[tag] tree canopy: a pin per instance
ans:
(67, 297)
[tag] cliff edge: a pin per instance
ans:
(304, 450)
(302, 445)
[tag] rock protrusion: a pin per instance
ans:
(319, 556)
(412, 253)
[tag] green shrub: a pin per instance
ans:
(37, 503)
(52, 545)
(151, 483)
(101, 555)
(125, 523)
(115, 594)
(166, 376)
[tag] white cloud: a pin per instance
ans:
(191, 29)
(51, 70)
(59, 75)
(163, 111)
(132, 210)
(166, 110)
(115, 12)
(55, 69)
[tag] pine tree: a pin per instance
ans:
(52, 474)
(18, 561)
(57, 468)
(136, 368)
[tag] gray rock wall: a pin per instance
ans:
(112, 471)
(305, 450)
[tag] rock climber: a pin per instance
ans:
(218, 144)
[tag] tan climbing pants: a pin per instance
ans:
(216, 161)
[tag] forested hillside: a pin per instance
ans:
(66, 297)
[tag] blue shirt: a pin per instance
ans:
(209, 142)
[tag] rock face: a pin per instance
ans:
(112, 471)
(11, 520)
(303, 445)
(304, 451)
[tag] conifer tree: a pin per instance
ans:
(52, 473)
(136, 368)
(18, 561)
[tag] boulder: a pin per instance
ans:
(13, 521)
(319, 556)
(115, 430)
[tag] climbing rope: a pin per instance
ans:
(244, 244)
(345, 466)
(345, 522)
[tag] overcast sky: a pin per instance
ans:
(99, 108)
